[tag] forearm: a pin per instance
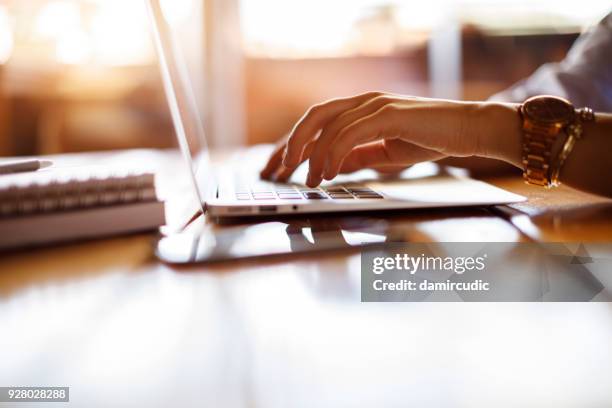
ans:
(497, 127)
(482, 118)
(479, 165)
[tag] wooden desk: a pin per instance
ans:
(121, 329)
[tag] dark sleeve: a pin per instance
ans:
(584, 76)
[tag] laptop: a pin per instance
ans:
(233, 188)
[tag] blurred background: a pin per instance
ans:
(79, 75)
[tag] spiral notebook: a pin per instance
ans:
(73, 203)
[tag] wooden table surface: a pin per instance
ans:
(123, 329)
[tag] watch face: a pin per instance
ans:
(549, 109)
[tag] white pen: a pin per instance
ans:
(23, 166)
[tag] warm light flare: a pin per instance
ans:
(109, 32)
(323, 28)
(177, 11)
(56, 18)
(6, 36)
(73, 47)
(120, 35)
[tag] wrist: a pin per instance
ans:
(497, 127)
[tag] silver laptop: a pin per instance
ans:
(234, 189)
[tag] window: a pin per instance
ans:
(322, 28)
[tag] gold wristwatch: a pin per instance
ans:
(547, 120)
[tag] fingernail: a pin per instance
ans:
(311, 180)
(281, 174)
(316, 180)
(326, 174)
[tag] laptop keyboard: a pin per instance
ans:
(349, 192)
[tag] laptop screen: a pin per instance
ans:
(181, 101)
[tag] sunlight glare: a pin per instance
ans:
(177, 11)
(73, 47)
(56, 18)
(6, 36)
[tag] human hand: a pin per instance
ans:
(391, 132)
(386, 157)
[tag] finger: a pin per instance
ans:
(368, 129)
(388, 156)
(283, 173)
(274, 162)
(274, 166)
(315, 119)
(330, 132)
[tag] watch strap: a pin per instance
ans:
(537, 150)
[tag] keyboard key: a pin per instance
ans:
(364, 192)
(288, 196)
(315, 195)
(360, 190)
(264, 196)
(336, 190)
(369, 195)
(337, 196)
(243, 196)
